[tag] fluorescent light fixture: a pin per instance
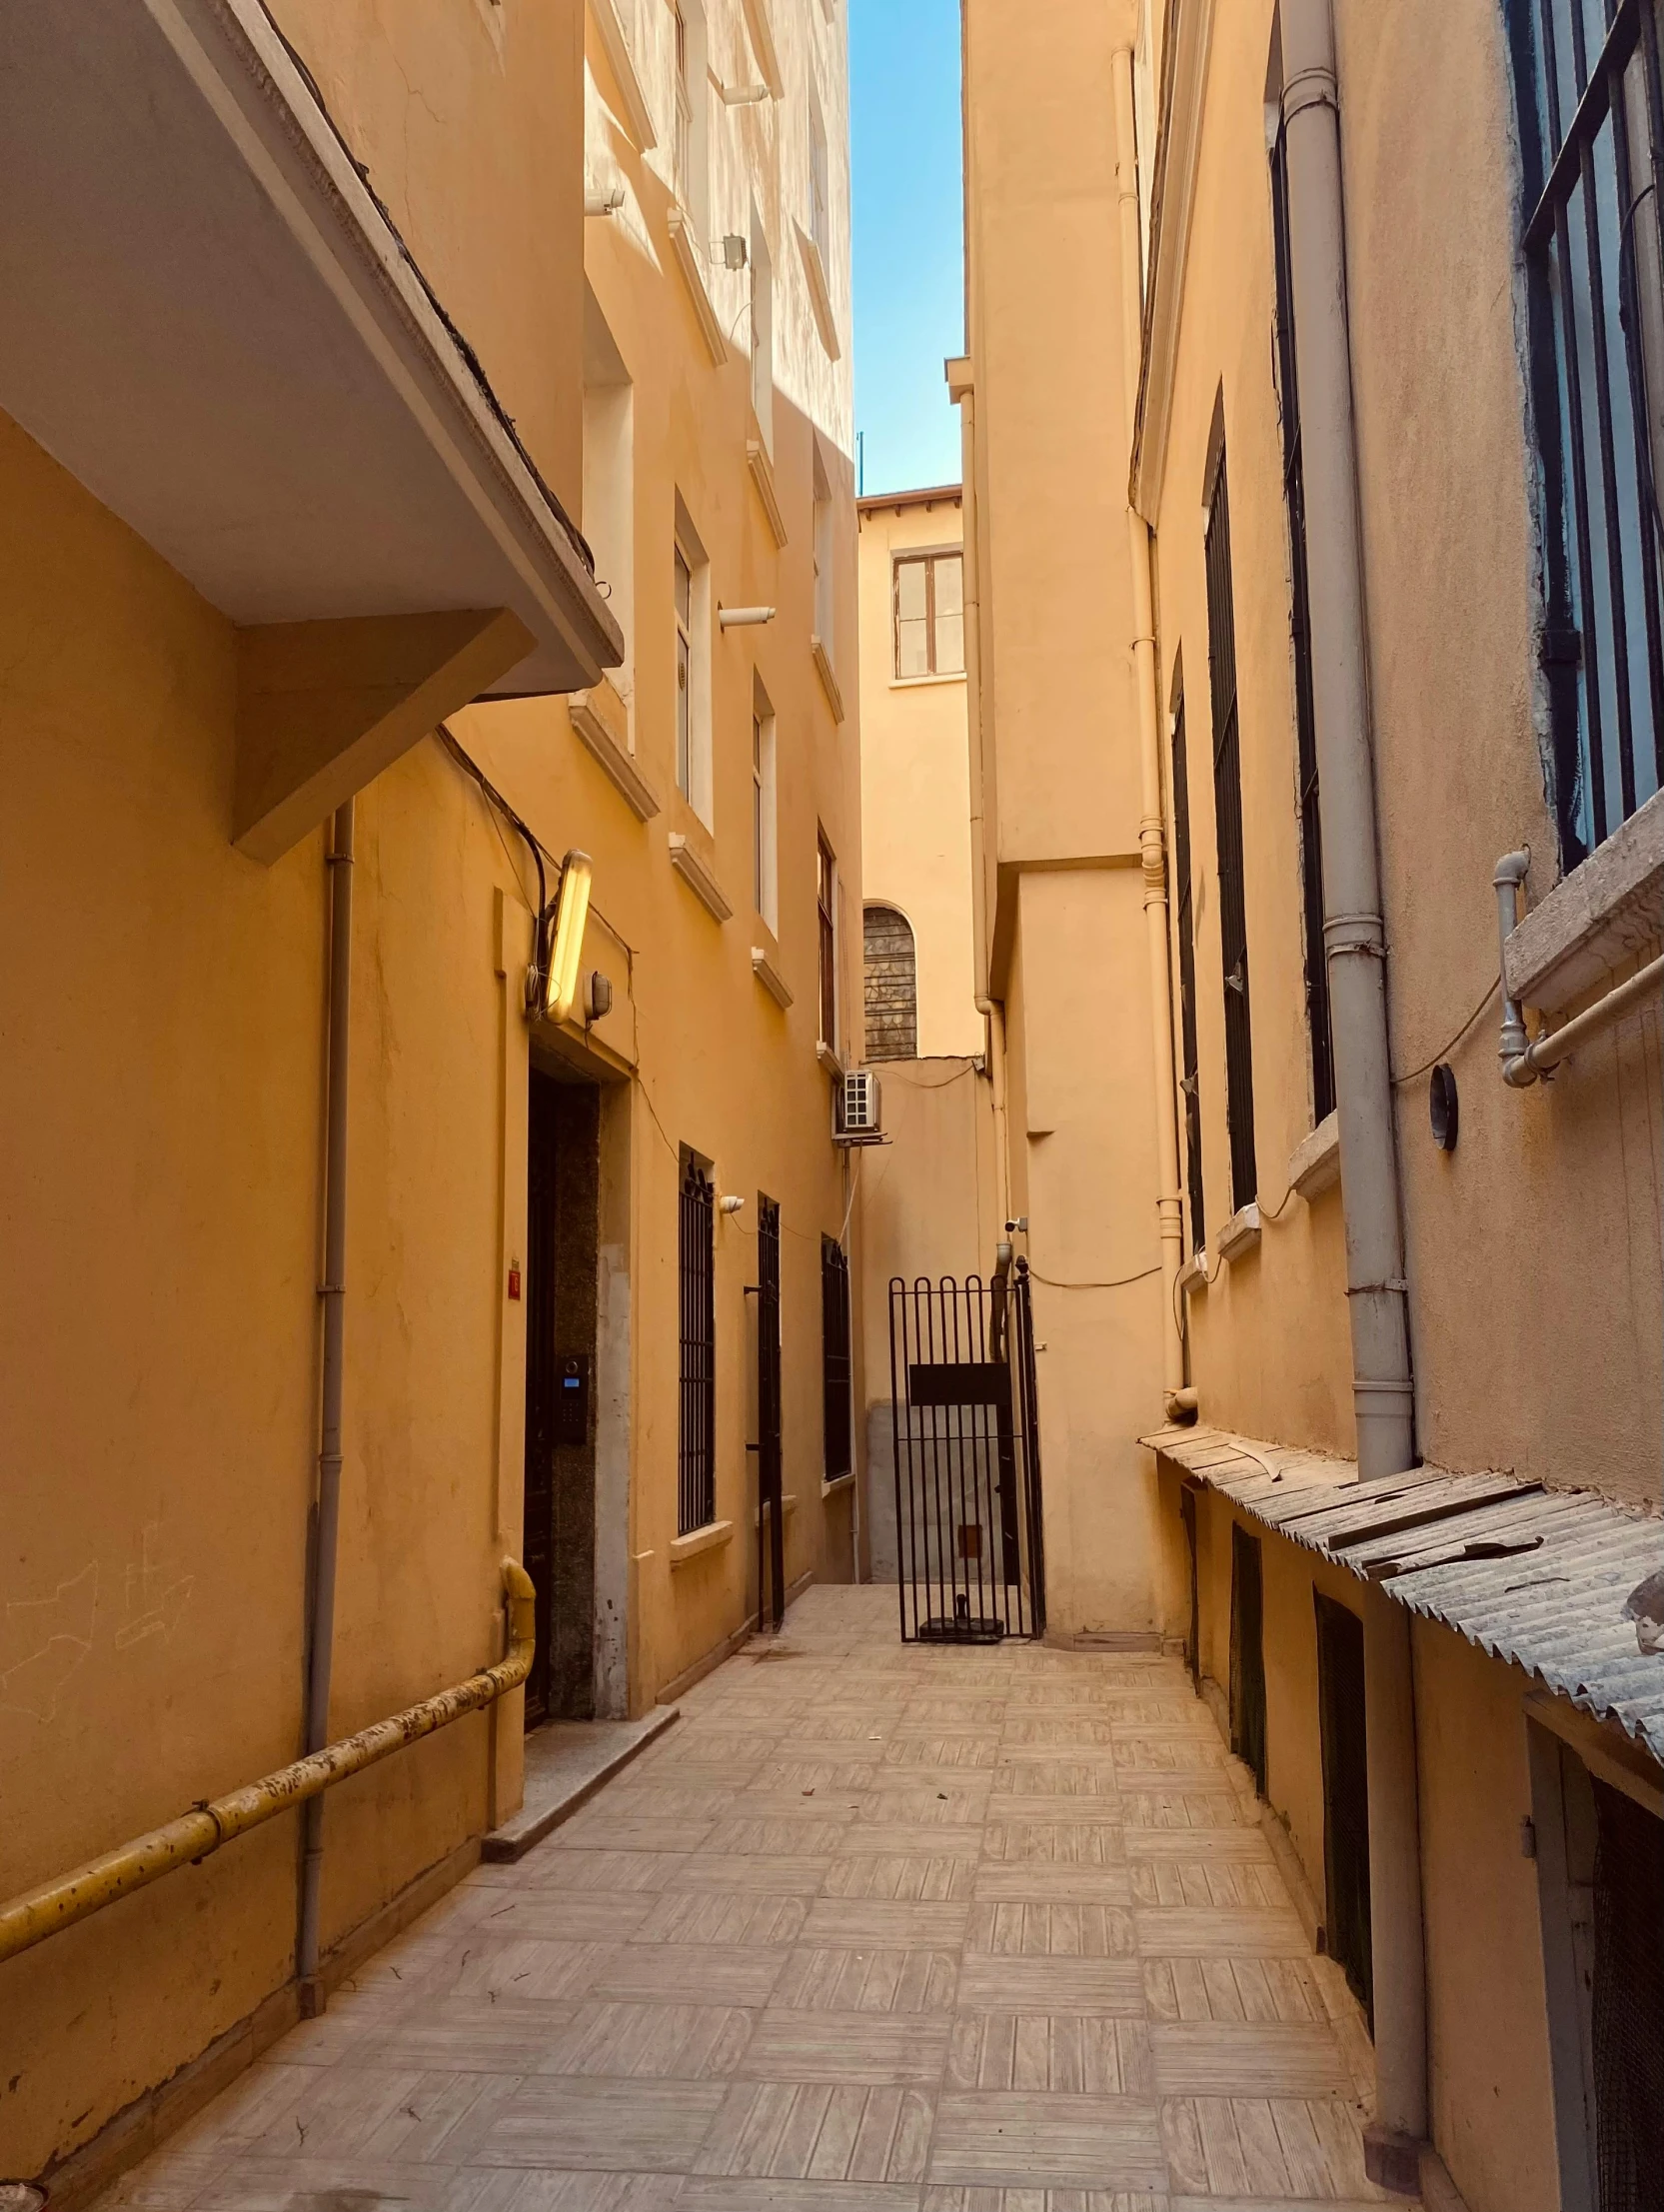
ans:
(572, 911)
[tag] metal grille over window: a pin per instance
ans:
(770, 1531)
(1227, 815)
(1191, 1082)
(892, 986)
(929, 614)
(684, 673)
(1628, 2003)
(1306, 716)
(825, 903)
(835, 1358)
(695, 1497)
(1592, 133)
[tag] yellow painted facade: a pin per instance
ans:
(166, 1061)
(1530, 1270)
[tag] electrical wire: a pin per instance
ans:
(1120, 1283)
(1445, 1051)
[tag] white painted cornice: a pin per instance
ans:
(1178, 156)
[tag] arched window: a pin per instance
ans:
(892, 986)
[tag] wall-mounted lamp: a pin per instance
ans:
(554, 990)
(598, 997)
(604, 203)
(731, 1205)
(735, 250)
(743, 96)
(744, 618)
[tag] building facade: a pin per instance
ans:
(1378, 676)
(450, 499)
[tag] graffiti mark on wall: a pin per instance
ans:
(45, 1640)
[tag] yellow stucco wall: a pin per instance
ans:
(1065, 943)
(164, 1072)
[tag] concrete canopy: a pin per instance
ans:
(212, 323)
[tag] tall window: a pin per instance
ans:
(892, 968)
(836, 1422)
(928, 599)
(1227, 816)
(1591, 107)
(1306, 719)
(765, 811)
(762, 332)
(684, 674)
(820, 186)
(825, 903)
(683, 104)
(696, 1460)
(826, 574)
(1191, 1082)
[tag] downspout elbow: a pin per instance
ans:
(1508, 878)
(520, 1597)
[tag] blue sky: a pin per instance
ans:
(909, 257)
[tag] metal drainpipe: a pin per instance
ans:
(990, 1009)
(1152, 838)
(1355, 942)
(327, 1528)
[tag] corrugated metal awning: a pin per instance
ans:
(1541, 1577)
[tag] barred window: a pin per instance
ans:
(892, 986)
(1592, 131)
(695, 1458)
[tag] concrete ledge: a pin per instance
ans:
(1240, 1233)
(691, 866)
(1314, 1163)
(762, 476)
(565, 1763)
(711, 1537)
(601, 721)
(1193, 1274)
(837, 1482)
(829, 677)
(766, 972)
(1594, 922)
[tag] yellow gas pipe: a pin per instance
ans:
(38, 1913)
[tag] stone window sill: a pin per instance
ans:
(1596, 920)
(1314, 1163)
(1240, 1233)
(698, 1541)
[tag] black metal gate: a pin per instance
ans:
(770, 1531)
(967, 1459)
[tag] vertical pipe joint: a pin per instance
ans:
(1508, 878)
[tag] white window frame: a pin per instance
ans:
(691, 152)
(825, 565)
(694, 768)
(610, 483)
(765, 809)
(762, 332)
(819, 184)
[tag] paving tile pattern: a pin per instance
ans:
(873, 1929)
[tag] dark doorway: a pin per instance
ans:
(1341, 1721)
(562, 1222)
(1247, 1655)
(1627, 2002)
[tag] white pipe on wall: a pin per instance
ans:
(1152, 837)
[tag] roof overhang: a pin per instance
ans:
(210, 321)
(1543, 1578)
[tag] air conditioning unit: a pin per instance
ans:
(860, 1115)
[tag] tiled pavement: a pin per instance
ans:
(873, 1929)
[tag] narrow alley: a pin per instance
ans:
(873, 1929)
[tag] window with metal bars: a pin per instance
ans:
(892, 986)
(826, 908)
(1227, 816)
(1306, 719)
(1185, 907)
(696, 1455)
(1591, 108)
(835, 1358)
